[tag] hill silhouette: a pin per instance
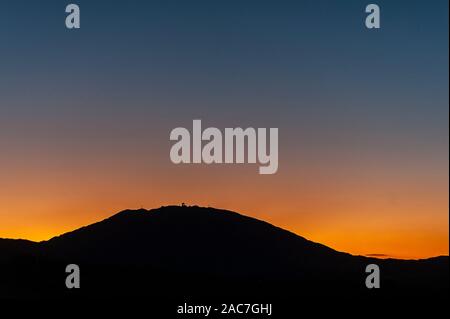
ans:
(195, 251)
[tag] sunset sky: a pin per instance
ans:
(85, 115)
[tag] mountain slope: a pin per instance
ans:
(188, 237)
(194, 250)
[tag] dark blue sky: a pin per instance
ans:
(297, 62)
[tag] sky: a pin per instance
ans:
(85, 115)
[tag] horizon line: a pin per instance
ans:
(183, 205)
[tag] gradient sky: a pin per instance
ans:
(85, 115)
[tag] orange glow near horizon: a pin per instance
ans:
(365, 212)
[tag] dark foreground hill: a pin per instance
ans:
(194, 251)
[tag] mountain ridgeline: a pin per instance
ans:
(195, 251)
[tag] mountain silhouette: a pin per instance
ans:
(196, 251)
